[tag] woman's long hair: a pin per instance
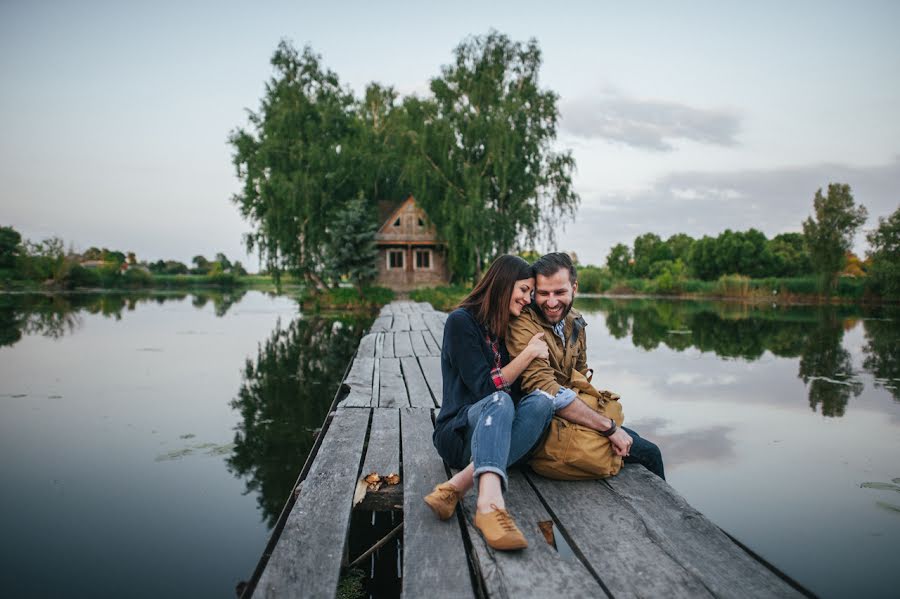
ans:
(489, 301)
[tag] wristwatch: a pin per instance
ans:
(608, 432)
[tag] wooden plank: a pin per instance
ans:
(435, 325)
(387, 309)
(401, 322)
(306, 561)
(419, 395)
(416, 322)
(425, 307)
(434, 556)
(431, 368)
(359, 379)
(382, 323)
(383, 448)
(434, 347)
(697, 544)
(591, 514)
(388, 348)
(419, 347)
(366, 347)
(539, 570)
(392, 390)
(402, 344)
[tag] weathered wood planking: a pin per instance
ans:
(401, 322)
(382, 323)
(376, 374)
(306, 562)
(435, 325)
(402, 344)
(359, 379)
(633, 565)
(434, 347)
(722, 566)
(419, 347)
(539, 570)
(388, 347)
(431, 368)
(419, 395)
(425, 307)
(383, 448)
(416, 322)
(392, 389)
(366, 347)
(434, 556)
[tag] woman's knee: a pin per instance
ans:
(537, 405)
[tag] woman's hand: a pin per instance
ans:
(538, 347)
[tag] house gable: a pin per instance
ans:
(407, 223)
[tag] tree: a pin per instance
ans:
(482, 156)
(9, 246)
(351, 248)
(649, 248)
(224, 261)
(201, 265)
(885, 255)
(680, 246)
(829, 231)
(789, 255)
(619, 260)
(292, 164)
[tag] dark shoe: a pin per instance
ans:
(499, 530)
(443, 500)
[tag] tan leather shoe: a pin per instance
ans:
(500, 530)
(443, 500)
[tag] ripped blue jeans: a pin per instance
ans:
(501, 433)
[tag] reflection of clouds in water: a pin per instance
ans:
(702, 380)
(708, 444)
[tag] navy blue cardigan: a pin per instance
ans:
(466, 364)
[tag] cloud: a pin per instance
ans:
(706, 203)
(647, 124)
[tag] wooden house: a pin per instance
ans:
(410, 254)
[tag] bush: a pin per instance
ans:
(733, 286)
(593, 280)
(442, 298)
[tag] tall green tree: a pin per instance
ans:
(885, 255)
(351, 247)
(829, 231)
(292, 163)
(619, 260)
(790, 257)
(649, 248)
(482, 157)
(10, 241)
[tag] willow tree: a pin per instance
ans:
(292, 164)
(481, 152)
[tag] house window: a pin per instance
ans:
(397, 223)
(423, 259)
(395, 259)
(421, 223)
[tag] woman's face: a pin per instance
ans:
(521, 296)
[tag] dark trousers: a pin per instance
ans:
(646, 454)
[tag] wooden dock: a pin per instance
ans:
(628, 536)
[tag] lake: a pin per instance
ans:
(149, 442)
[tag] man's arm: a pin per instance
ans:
(579, 413)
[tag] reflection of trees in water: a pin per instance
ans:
(827, 368)
(882, 350)
(733, 330)
(54, 316)
(285, 395)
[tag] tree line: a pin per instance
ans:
(49, 262)
(822, 249)
(476, 151)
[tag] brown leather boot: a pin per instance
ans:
(499, 530)
(443, 500)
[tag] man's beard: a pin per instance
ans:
(563, 314)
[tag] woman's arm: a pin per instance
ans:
(536, 348)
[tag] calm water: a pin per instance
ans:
(148, 443)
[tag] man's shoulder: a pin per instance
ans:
(528, 319)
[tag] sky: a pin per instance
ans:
(682, 117)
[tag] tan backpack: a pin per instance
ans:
(575, 452)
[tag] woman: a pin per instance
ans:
(484, 424)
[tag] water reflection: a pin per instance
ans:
(57, 315)
(285, 395)
(747, 331)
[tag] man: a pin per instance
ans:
(563, 328)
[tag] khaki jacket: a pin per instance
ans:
(567, 366)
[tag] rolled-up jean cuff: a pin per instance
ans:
(563, 399)
(498, 471)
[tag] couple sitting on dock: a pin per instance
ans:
(514, 356)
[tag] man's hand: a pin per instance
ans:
(538, 347)
(621, 442)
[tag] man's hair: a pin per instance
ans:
(489, 301)
(550, 264)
